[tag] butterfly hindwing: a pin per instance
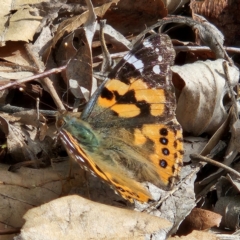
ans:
(97, 159)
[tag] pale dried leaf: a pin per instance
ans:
(176, 204)
(73, 216)
(18, 61)
(73, 23)
(236, 135)
(200, 105)
(20, 25)
(44, 37)
(24, 189)
(79, 71)
(214, 140)
(193, 145)
(4, 15)
(230, 153)
(115, 38)
(23, 142)
(9, 73)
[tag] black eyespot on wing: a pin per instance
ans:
(165, 151)
(163, 141)
(163, 131)
(163, 163)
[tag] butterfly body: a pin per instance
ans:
(128, 133)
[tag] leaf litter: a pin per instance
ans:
(68, 34)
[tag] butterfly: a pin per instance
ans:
(128, 133)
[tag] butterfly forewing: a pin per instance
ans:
(135, 136)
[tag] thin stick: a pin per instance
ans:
(35, 76)
(215, 163)
(228, 81)
(13, 109)
(107, 60)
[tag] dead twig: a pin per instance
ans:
(27, 79)
(200, 158)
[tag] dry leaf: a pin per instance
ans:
(79, 70)
(226, 186)
(193, 145)
(229, 208)
(8, 71)
(73, 216)
(200, 219)
(18, 61)
(214, 140)
(25, 189)
(229, 155)
(19, 25)
(116, 39)
(16, 143)
(22, 136)
(15, 52)
(72, 24)
(132, 17)
(178, 203)
(200, 104)
(221, 13)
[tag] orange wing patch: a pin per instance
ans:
(126, 110)
(155, 97)
(167, 155)
(112, 86)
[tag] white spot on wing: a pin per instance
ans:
(93, 173)
(70, 144)
(160, 58)
(146, 43)
(138, 64)
(156, 69)
(79, 158)
(65, 140)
